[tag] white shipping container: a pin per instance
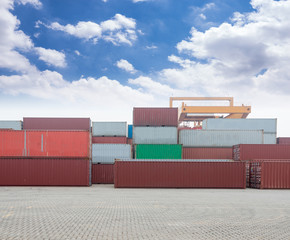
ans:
(108, 129)
(106, 153)
(154, 135)
(270, 138)
(269, 125)
(15, 125)
(219, 138)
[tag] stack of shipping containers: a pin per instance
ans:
(109, 141)
(46, 152)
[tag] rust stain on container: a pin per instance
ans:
(121, 140)
(207, 153)
(155, 117)
(283, 140)
(103, 173)
(260, 151)
(45, 143)
(56, 123)
(44, 171)
(182, 174)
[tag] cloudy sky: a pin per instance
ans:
(100, 58)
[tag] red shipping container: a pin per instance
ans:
(83, 124)
(283, 140)
(45, 143)
(260, 151)
(115, 140)
(207, 153)
(130, 141)
(270, 174)
(103, 173)
(182, 174)
(44, 171)
(155, 117)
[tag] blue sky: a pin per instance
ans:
(101, 58)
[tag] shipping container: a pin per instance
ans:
(155, 135)
(179, 174)
(130, 141)
(207, 153)
(178, 160)
(283, 140)
(155, 117)
(106, 153)
(270, 138)
(130, 131)
(72, 124)
(109, 129)
(103, 173)
(219, 138)
(44, 171)
(118, 140)
(14, 125)
(260, 151)
(270, 174)
(45, 143)
(158, 151)
(269, 125)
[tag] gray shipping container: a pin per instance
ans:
(106, 153)
(269, 125)
(154, 135)
(219, 138)
(15, 125)
(270, 138)
(109, 129)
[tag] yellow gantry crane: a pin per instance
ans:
(198, 113)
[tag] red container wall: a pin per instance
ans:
(207, 153)
(155, 117)
(44, 172)
(103, 173)
(283, 140)
(45, 143)
(130, 141)
(121, 140)
(180, 174)
(260, 151)
(57, 124)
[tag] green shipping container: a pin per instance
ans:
(158, 151)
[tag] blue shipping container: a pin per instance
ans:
(130, 131)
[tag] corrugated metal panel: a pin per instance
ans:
(109, 129)
(83, 124)
(15, 125)
(45, 143)
(106, 153)
(270, 138)
(269, 125)
(283, 140)
(175, 160)
(219, 138)
(155, 117)
(166, 174)
(207, 153)
(120, 140)
(158, 151)
(103, 173)
(155, 135)
(244, 152)
(130, 131)
(44, 172)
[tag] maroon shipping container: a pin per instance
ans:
(155, 117)
(182, 174)
(283, 140)
(270, 174)
(44, 172)
(207, 153)
(130, 141)
(260, 151)
(103, 173)
(115, 140)
(57, 124)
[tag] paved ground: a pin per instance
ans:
(102, 212)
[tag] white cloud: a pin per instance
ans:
(36, 3)
(77, 52)
(118, 30)
(125, 65)
(151, 47)
(136, 1)
(51, 57)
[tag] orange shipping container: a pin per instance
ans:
(45, 143)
